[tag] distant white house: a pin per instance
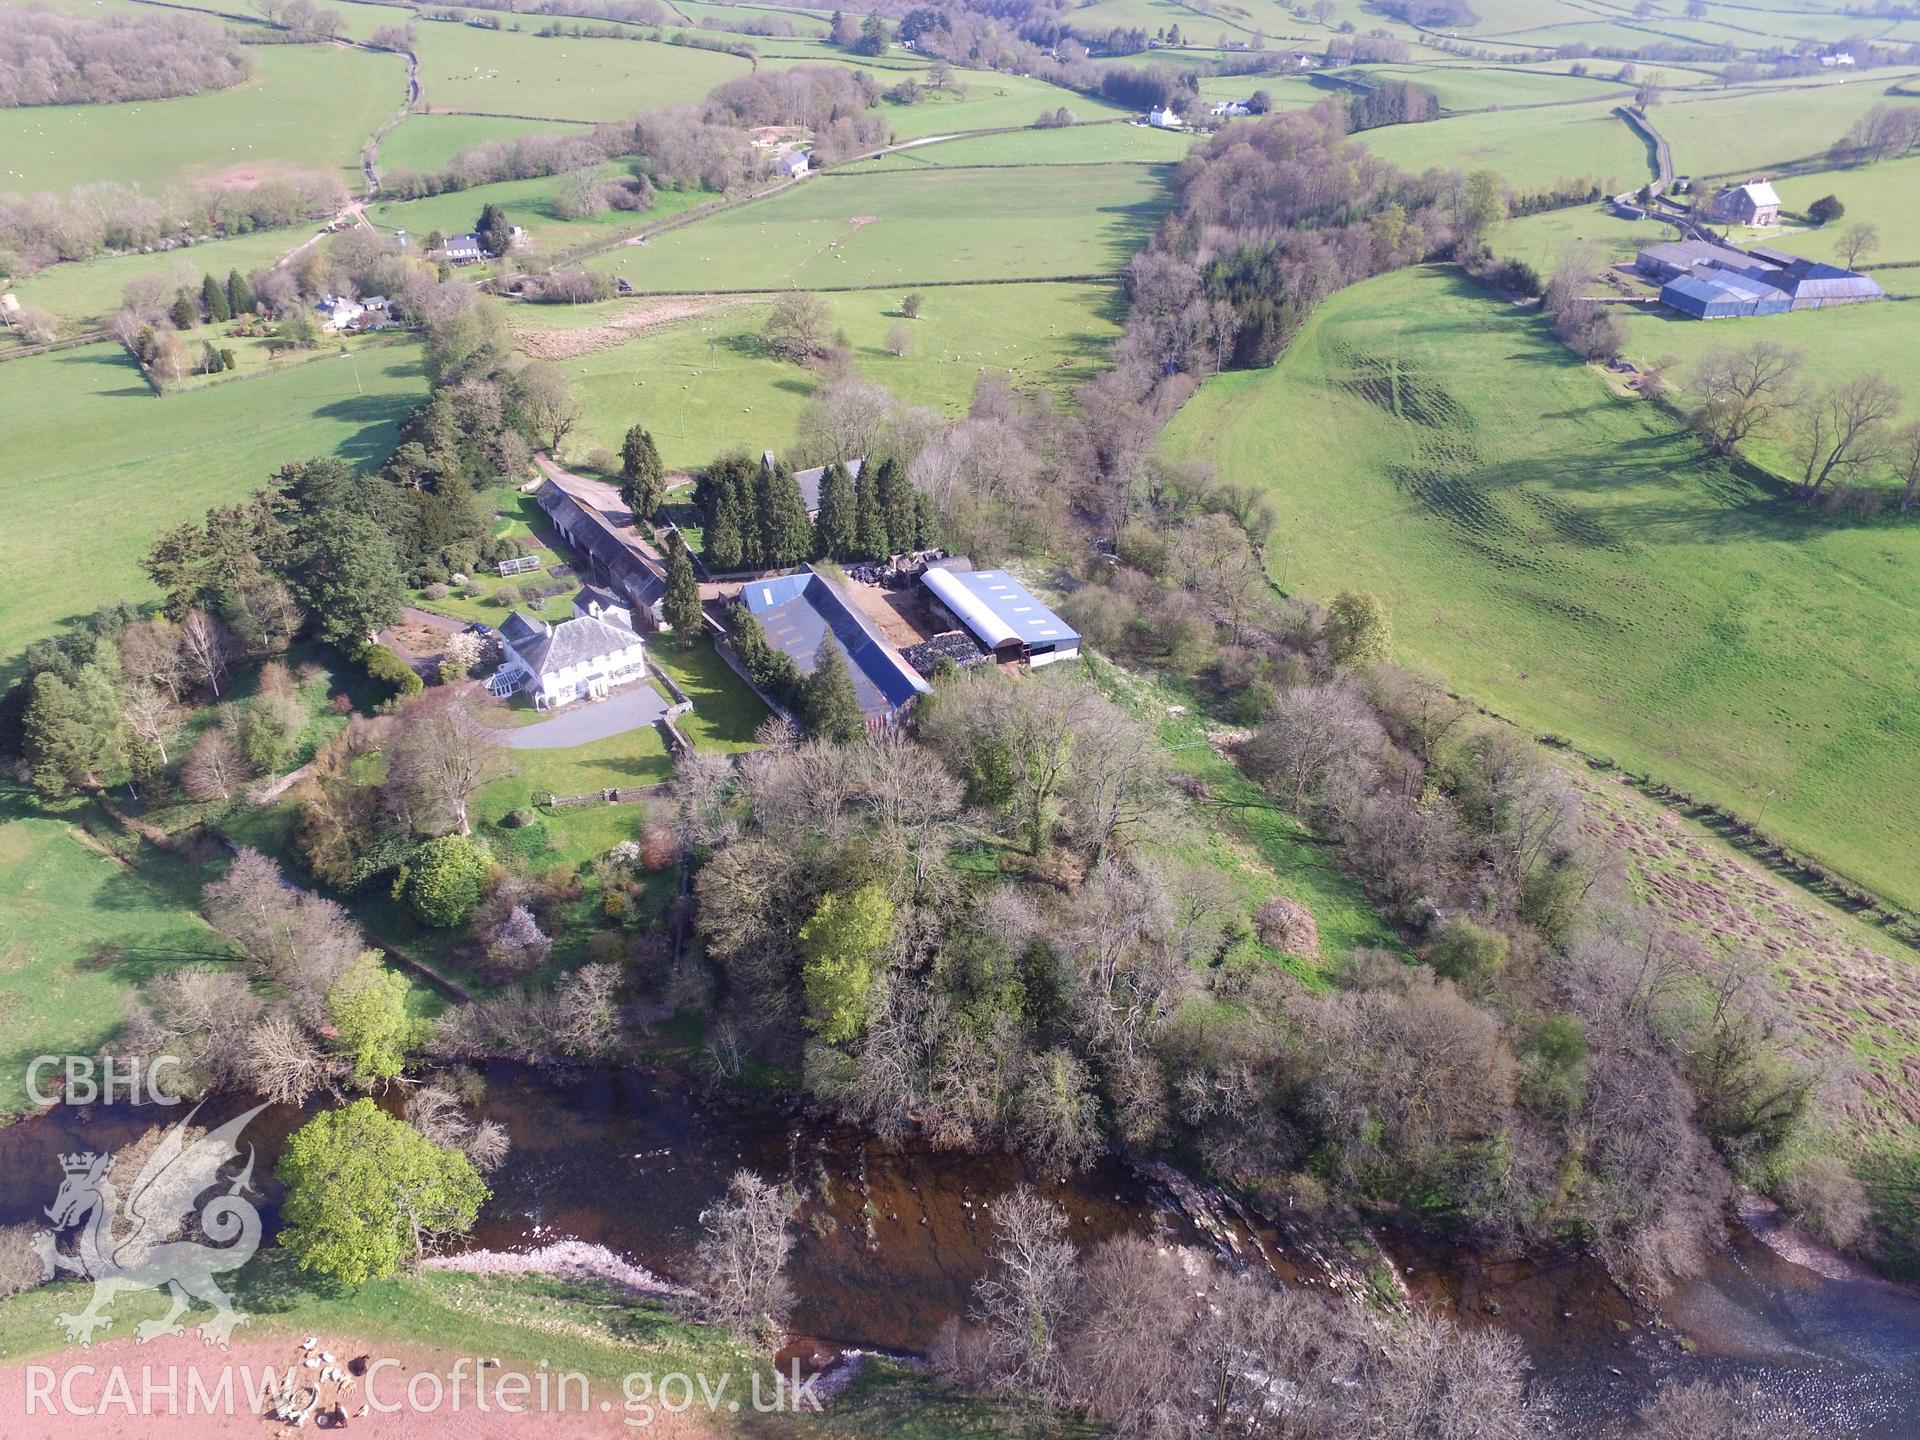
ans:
(792, 165)
(1226, 109)
(464, 249)
(1164, 120)
(1303, 61)
(337, 312)
(1838, 58)
(584, 658)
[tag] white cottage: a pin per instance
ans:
(584, 658)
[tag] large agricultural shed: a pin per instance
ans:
(1716, 282)
(1002, 614)
(798, 612)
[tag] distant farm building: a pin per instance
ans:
(1227, 109)
(1755, 203)
(1002, 614)
(792, 165)
(809, 480)
(797, 614)
(1164, 119)
(632, 575)
(579, 659)
(337, 312)
(464, 249)
(1717, 282)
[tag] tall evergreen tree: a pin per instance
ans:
(870, 521)
(72, 730)
(240, 299)
(213, 300)
(184, 314)
(894, 495)
(347, 574)
(494, 230)
(829, 710)
(786, 535)
(924, 528)
(642, 476)
(837, 527)
(682, 603)
(723, 532)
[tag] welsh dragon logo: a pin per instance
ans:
(133, 1244)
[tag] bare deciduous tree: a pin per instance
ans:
(1023, 1300)
(215, 769)
(742, 1259)
(438, 754)
(207, 648)
(301, 940)
(283, 1063)
(1842, 430)
(151, 717)
(1743, 391)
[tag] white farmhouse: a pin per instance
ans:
(337, 312)
(1227, 109)
(1164, 119)
(584, 658)
(792, 165)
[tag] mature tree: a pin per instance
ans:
(1906, 462)
(871, 538)
(444, 880)
(547, 398)
(836, 527)
(240, 299)
(72, 729)
(215, 768)
(298, 939)
(438, 754)
(800, 327)
(1826, 210)
(1842, 430)
(282, 1062)
(368, 1005)
(206, 645)
(786, 534)
(642, 476)
(1057, 1113)
(829, 709)
(1357, 630)
(1743, 391)
(1857, 242)
(842, 946)
(365, 1192)
(893, 494)
(742, 1256)
(1023, 1301)
(494, 229)
(517, 945)
(346, 572)
(681, 605)
(899, 340)
(151, 717)
(213, 300)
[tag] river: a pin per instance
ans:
(894, 1235)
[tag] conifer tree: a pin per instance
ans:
(723, 532)
(870, 521)
(240, 299)
(642, 476)
(682, 603)
(894, 496)
(184, 314)
(213, 300)
(829, 710)
(786, 535)
(836, 531)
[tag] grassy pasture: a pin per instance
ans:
(1541, 239)
(1287, 92)
(705, 386)
(1751, 129)
(1571, 559)
(1886, 195)
(76, 294)
(528, 203)
(1529, 151)
(99, 466)
(898, 229)
(733, 16)
(429, 142)
(985, 100)
(306, 107)
(498, 72)
(1484, 87)
(1879, 339)
(1074, 145)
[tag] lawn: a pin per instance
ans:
(424, 143)
(1886, 196)
(498, 72)
(98, 466)
(306, 108)
(705, 385)
(1749, 130)
(86, 913)
(726, 712)
(582, 832)
(1073, 145)
(1530, 150)
(1570, 559)
(911, 228)
(77, 294)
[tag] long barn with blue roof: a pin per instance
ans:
(797, 612)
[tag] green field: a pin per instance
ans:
(987, 100)
(424, 143)
(1541, 239)
(498, 72)
(1530, 150)
(1570, 559)
(112, 466)
(703, 386)
(306, 107)
(529, 203)
(1074, 145)
(1886, 196)
(911, 228)
(1752, 129)
(1486, 87)
(78, 293)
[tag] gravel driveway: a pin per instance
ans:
(584, 721)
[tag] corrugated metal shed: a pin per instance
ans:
(1719, 295)
(999, 610)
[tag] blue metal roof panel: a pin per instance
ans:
(798, 611)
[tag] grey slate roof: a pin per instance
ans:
(571, 642)
(614, 558)
(798, 612)
(809, 480)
